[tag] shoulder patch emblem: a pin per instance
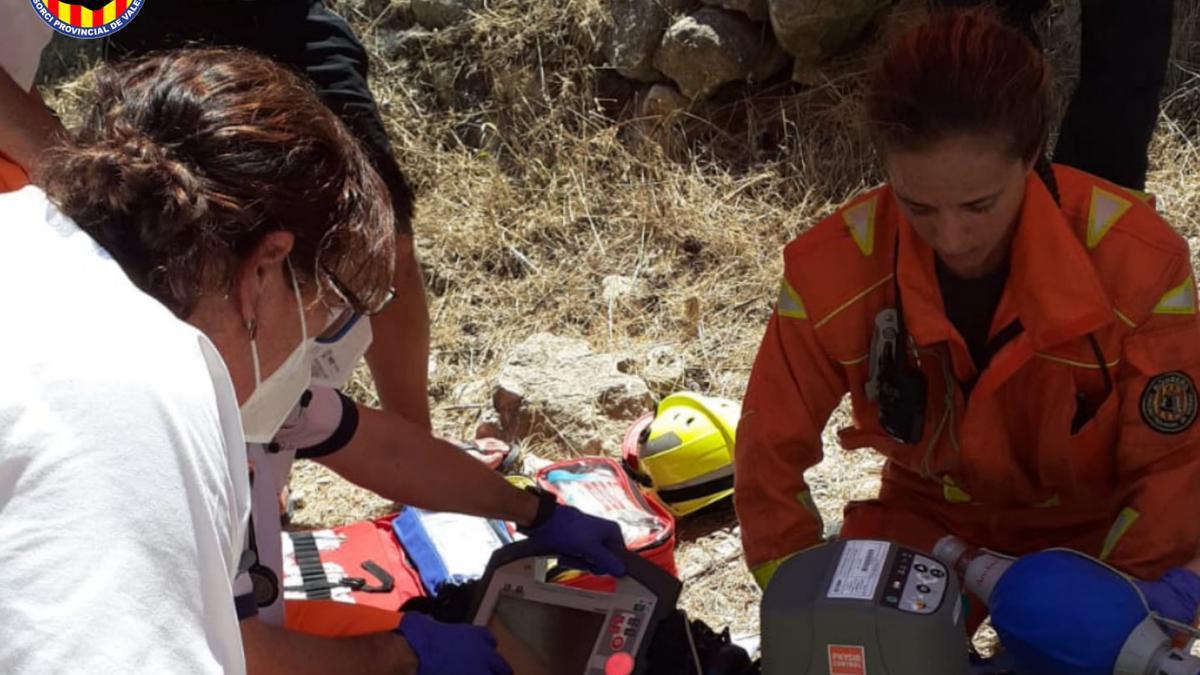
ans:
(790, 304)
(860, 218)
(1168, 403)
(1178, 300)
(1107, 208)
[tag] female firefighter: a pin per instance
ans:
(1020, 340)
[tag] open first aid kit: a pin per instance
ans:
(600, 487)
(449, 548)
(353, 580)
(346, 581)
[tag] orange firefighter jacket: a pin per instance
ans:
(12, 176)
(1003, 467)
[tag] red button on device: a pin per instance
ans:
(620, 663)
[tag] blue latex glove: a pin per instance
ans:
(450, 648)
(1175, 596)
(1062, 613)
(581, 541)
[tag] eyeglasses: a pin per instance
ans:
(345, 318)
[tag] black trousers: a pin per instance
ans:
(302, 34)
(1113, 112)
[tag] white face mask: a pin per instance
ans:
(268, 406)
(334, 357)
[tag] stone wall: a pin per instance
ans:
(686, 50)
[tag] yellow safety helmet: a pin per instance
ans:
(685, 451)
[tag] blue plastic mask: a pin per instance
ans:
(1059, 612)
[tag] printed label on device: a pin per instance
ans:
(847, 660)
(859, 570)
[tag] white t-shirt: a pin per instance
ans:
(123, 487)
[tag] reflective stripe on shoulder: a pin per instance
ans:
(1178, 300)
(790, 304)
(1106, 209)
(1121, 525)
(860, 218)
(1145, 198)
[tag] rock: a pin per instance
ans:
(559, 389)
(663, 100)
(489, 425)
(468, 393)
(815, 30)
(618, 288)
(638, 27)
(757, 10)
(403, 44)
(663, 367)
(806, 73)
(771, 60)
(367, 8)
(443, 13)
(710, 48)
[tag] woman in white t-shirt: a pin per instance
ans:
(214, 185)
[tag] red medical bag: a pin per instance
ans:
(347, 580)
(600, 487)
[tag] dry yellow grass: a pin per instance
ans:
(535, 181)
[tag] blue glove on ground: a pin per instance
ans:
(1176, 595)
(581, 541)
(451, 649)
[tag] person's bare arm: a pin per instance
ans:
(26, 125)
(399, 354)
(401, 461)
(272, 650)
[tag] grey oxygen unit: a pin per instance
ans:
(861, 607)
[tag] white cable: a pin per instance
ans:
(1190, 630)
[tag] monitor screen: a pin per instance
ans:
(543, 639)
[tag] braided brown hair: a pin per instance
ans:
(189, 158)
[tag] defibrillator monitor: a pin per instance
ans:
(544, 628)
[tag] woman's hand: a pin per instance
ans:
(582, 541)
(451, 649)
(1175, 595)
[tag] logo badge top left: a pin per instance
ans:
(87, 19)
